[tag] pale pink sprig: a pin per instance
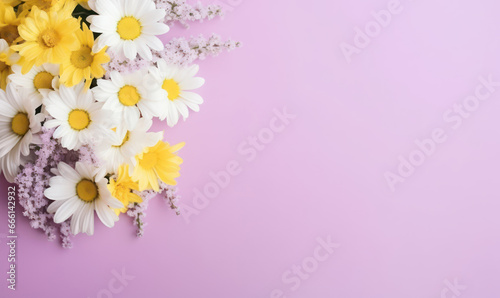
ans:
(182, 52)
(138, 210)
(124, 65)
(182, 12)
(179, 51)
(172, 199)
(33, 179)
(65, 234)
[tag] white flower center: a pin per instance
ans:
(129, 96)
(173, 89)
(86, 190)
(20, 124)
(129, 28)
(79, 119)
(43, 80)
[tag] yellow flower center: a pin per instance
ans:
(129, 96)
(125, 139)
(82, 58)
(129, 28)
(149, 160)
(20, 124)
(49, 38)
(9, 33)
(79, 119)
(43, 80)
(121, 192)
(173, 89)
(123, 189)
(86, 190)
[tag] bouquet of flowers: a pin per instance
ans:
(81, 84)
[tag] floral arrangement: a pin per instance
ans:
(81, 82)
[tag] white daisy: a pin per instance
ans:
(128, 27)
(77, 193)
(79, 119)
(19, 126)
(123, 145)
(170, 83)
(127, 96)
(38, 81)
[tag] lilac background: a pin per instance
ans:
(324, 174)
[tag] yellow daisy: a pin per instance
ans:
(7, 59)
(83, 64)
(157, 162)
(9, 22)
(83, 3)
(122, 189)
(11, 2)
(45, 4)
(49, 38)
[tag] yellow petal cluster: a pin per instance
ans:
(83, 64)
(48, 37)
(46, 5)
(123, 188)
(9, 23)
(157, 163)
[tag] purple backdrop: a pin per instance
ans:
(382, 181)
